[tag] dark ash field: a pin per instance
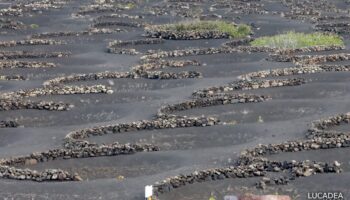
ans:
(97, 103)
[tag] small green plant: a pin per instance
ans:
(130, 5)
(235, 31)
(298, 40)
(212, 197)
(260, 119)
(34, 26)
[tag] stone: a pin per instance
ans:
(54, 176)
(77, 178)
(337, 164)
(308, 172)
(31, 162)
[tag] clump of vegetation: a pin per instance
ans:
(130, 6)
(34, 26)
(298, 40)
(235, 31)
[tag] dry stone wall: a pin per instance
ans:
(25, 64)
(7, 55)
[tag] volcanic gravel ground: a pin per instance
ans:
(287, 116)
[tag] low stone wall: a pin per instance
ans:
(123, 51)
(28, 42)
(25, 64)
(82, 152)
(279, 54)
(90, 76)
(309, 69)
(242, 7)
(320, 128)
(315, 59)
(17, 104)
(100, 8)
(8, 124)
(12, 77)
(161, 64)
(161, 122)
(299, 59)
(117, 75)
(117, 16)
(334, 27)
(328, 18)
(117, 46)
(30, 8)
(308, 14)
(170, 75)
(320, 138)
(120, 43)
(296, 146)
(58, 90)
(237, 42)
(221, 99)
(179, 9)
(249, 85)
(118, 23)
(93, 31)
(11, 24)
(155, 32)
(288, 51)
(186, 52)
(27, 174)
(297, 169)
(4, 55)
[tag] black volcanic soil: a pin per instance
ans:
(287, 116)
